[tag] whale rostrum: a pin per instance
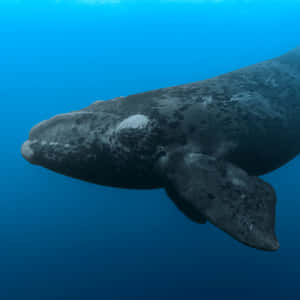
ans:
(204, 142)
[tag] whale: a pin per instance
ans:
(205, 143)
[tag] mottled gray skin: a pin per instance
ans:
(248, 119)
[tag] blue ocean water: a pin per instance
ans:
(61, 238)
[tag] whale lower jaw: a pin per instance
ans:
(28, 152)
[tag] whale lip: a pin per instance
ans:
(27, 152)
(271, 245)
(39, 128)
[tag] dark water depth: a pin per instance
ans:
(65, 239)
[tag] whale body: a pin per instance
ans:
(205, 143)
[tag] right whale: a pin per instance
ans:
(204, 142)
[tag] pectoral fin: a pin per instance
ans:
(206, 188)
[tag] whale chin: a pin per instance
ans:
(28, 152)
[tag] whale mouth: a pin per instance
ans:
(57, 132)
(28, 152)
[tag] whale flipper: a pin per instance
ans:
(185, 207)
(205, 187)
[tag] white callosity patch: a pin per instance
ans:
(237, 176)
(138, 121)
(207, 100)
(46, 143)
(237, 181)
(26, 150)
(243, 97)
(53, 144)
(272, 82)
(223, 148)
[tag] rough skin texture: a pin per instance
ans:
(247, 122)
(206, 188)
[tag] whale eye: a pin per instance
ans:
(137, 121)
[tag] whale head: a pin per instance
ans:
(100, 144)
(72, 144)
